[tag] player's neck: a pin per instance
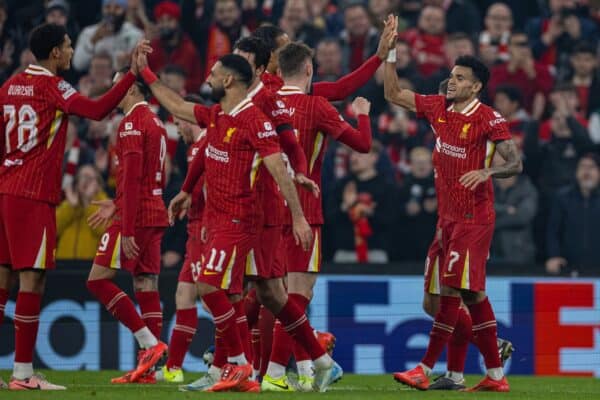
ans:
(255, 83)
(129, 103)
(231, 99)
(297, 82)
(459, 106)
(49, 66)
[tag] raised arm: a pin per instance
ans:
(391, 87)
(346, 85)
(168, 98)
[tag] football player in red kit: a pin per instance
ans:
(132, 240)
(467, 134)
(36, 104)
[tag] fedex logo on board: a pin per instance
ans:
(554, 325)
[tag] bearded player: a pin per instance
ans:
(467, 135)
(36, 104)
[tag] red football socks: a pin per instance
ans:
(295, 322)
(443, 327)
(283, 345)
(181, 338)
(242, 325)
(485, 332)
(252, 308)
(266, 324)
(224, 319)
(459, 341)
(27, 321)
(3, 300)
(300, 354)
(151, 311)
(221, 351)
(117, 303)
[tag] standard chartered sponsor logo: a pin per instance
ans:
(450, 150)
(216, 154)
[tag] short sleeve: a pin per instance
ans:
(62, 93)
(263, 137)
(202, 114)
(497, 127)
(329, 120)
(130, 137)
(429, 107)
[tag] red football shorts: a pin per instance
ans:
(299, 260)
(270, 254)
(27, 233)
(193, 251)
(432, 263)
(110, 254)
(461, 260)
(226, 257)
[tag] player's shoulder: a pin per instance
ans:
(248, 113)
(488, 114)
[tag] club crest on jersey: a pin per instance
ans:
(128, 126)
(228, 135)
(465, 131)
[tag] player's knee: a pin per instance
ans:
(185, 297)
(430, 305)
(145, 283)
(32, 281)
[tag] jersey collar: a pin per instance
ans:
(247, 102)
(257, 89)
(468, 110)
(33, 69)
(286, 90)
(141, 103)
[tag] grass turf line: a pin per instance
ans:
(96, 385)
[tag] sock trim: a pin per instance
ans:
(296, 324)
(221, 318)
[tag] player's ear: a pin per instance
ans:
(228, 80)
(477, 87)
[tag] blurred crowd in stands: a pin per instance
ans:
(380, 206)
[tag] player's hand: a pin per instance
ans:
(139, 55)
(104, 214)
(130, 248)
(104, 29)
(472, 179)
(71, 196)
(361, 106)
(387, 41)
(302, 233)
(554, 264)
(307, 184)
(179, 206)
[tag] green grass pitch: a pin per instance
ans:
(95, 385)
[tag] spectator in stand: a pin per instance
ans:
(493, 41)
(76, 239)
(532, 78)
(418, 205)
(563, 95)
(362, 207)
(509, 103)
(137, 16)
(572, 234)
(296, 23)
(324, 15)
(196, 20)
(556, 153)
(515, 203)
(58, 12)
(585, 76)
(224, 32)
(9, 43)
(380, 9)
(427, 40)
(112, 35)
(329, 61)
(174, 47)
(173, 243)
(360, 38)
(457, 44)
(461, 15)
(173, 76)
(552, 37)
(99, 76)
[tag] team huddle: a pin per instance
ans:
(252, 199)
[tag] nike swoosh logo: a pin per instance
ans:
(284, 387)
(210, 273)
(28, 387)
(441, 120)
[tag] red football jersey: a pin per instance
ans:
(274, 107)
(34, 106)
(236, 143)
(195, 212)
(313, 118)
(141, 131)
(465, 142)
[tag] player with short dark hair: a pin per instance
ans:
(467, 135)
(239, 138)
(314, 119)
(137, 220)
(36, 104)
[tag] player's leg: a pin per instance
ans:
(29, 235)
(266, 325)
(145, 287)
(252, 308)
(242, 324)
(5, 285)
(6, 274)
